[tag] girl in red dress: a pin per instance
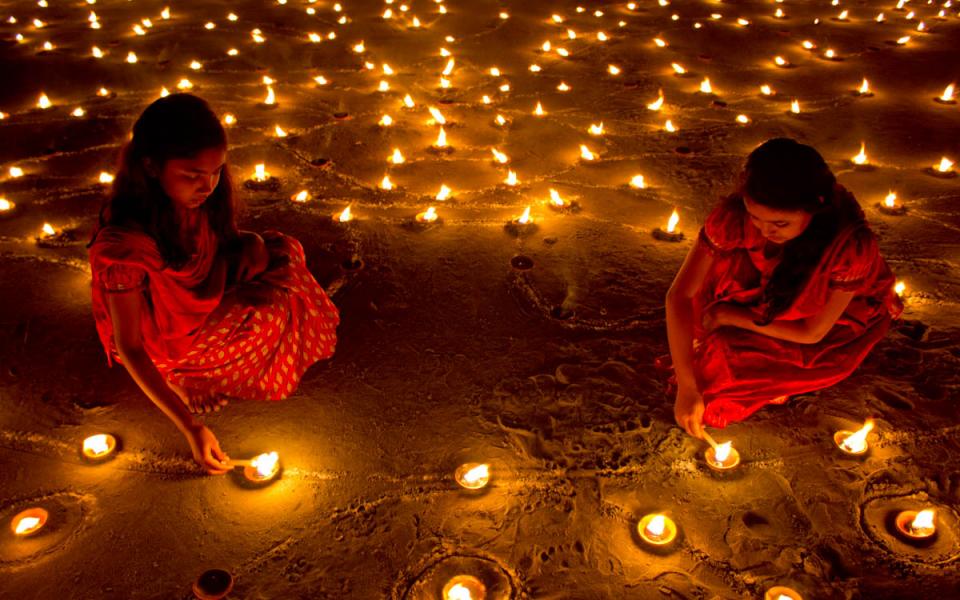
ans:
(196, 310)
(784, 291)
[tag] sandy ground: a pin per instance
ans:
(448, 353)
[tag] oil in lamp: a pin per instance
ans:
(864, 90)
(720, 457)
(916, 525)
(854, 443)
(948, 96)
(99, 447)
(944, 169)
(780, 592)
(657, 529)
(464, 587)
(29, 522)
(670, 234)
(428, 216)
(473, 476)
(259, 469)
(890, 206)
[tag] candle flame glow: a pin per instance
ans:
(385, 121)
(678, 69)
(947, 95)
(861, 157)
(301, 196)
(945, 165)
(459, 592)
(26, 525)
(658, 103)
(795, 107)
(428, 216)
(500, 157)
(260, 172)
(672, 223)
(538, 110)
(857, 441)
(478, 473)
(705, 86)
(44, 102)
(48, 230)
(345, 215)
(722, 452)
(441, 139)
(891, 200)
(586, 154)
(524, 218)
(437, 116)
(271, 97)
(385, 183)
(596, 129)
(637, 182)
(656, 526)
(511, 178)
(864, 87)
(444, 192)
(555, 198)
(96, 444)
(265, 464)
(105, 177)
(397, 157)
(923, 522)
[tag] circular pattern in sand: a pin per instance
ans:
(877, 519)
(68, 512)
(430, 582)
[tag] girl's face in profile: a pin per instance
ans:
(778, 226)
(189, 181)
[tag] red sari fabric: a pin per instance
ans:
(252, 340)
(740, 371)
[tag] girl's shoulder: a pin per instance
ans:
(725, 227)
(116, 244)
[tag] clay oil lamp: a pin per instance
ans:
(440, 146)
(472, 476)
(944, 169)
(29, 522)
(780, 592)
(427, 217)
(948, 96)
(860, 160)
(261, 180)
(721, 457)
(522, 225)
(260, 469)
(864, 90)
(890, 205)
(916, 525)
(670, 234)
(657, 530)
(854, 443)
(98, 447)
(464, 587)
(559, 204)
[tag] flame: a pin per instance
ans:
(669, 126)
(524, 218)
(385, 183)
(880, 18)
(96, 444)
(265, 464)
(722, 452)
(449, 68)
(408, 101)
(864, 87)
(766, 90)
(857, 441)
(164, 92)
(843, 15)
(16, 172)
(345, 215)
(397, 157)
(97, 52)
(105, 177)
(444, 83)
(658, 103)
(441, 139)
(271, 96)
(808, 45)
(500, 157)
(830, 53)
(44, 102)
(637, 182)
(500, 120)
(477, 474)
(586, 154)
(945, 165)
(678, 69)
(923, 522)
(26, 525)
(301, 196)
(563, 87)
(279, 131)
(131, 57)
(459, 592)
(546, 47)
(260, 172)
(494, 72)
(444, 193)
(511, 178)
(596, 129)
(656, 526)
(437, 116)
(428, 216)
(947, 95)
(861, 157)
(903, 40)
(795, 107)
(165, 13)
(5, 204)
(48, 230)
(891, 200)
(538, 110)
(743, 119)
(899, 288)
(321, 80)
(659, 42)
(613, 69)
(672, 223)
(780, 61)
(383, 86)
(359, 48)
(705, 86)
(555, 198)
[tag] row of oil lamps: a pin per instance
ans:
(655, 529)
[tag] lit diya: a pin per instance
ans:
(944, 169)
(261, 180)
(51, 237)
(864, 90)
(521, 225)
(657, 529)
(7, 208)
(472, 476)
(344, 216)
(670, 234)
(558, 203)
(916, 525)
(427, 217)
(259, 469)
(890, 205)
(854, 443)
(440, 146)
(860, 160)
(720, 457)
(99, 447)
(948, 96)
(780, 592)
(464, 587)
(29, 521)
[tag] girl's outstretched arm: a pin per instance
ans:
(688, 408)
(803, 331)
(125, 314)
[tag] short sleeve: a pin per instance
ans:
(723, 229)
(855, 261)
(122, 278)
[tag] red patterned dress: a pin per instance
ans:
(740, 371)
(252, 340)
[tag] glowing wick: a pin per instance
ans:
(705, 87)
(48, 230)
(555, 198)
(511, 179)
(658, 103)
(345, 215)
(524, 218)
(301, 196)
(673, 221)
(596, 129)
(441, 139)
(947, 95)
(396, 158)
(945, 165)
(44, 102)
(637, 182)
(856, 443)
(891, 200)
(861, 157)
(795, 107)
(586, 154)
(500, 157)
(444, 193)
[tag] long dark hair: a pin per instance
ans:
(177, 126)
(786, 175)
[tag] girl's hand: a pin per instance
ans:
(206, 450)
(688, 410)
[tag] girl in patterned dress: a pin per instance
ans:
(196, 310)
(784, 292)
